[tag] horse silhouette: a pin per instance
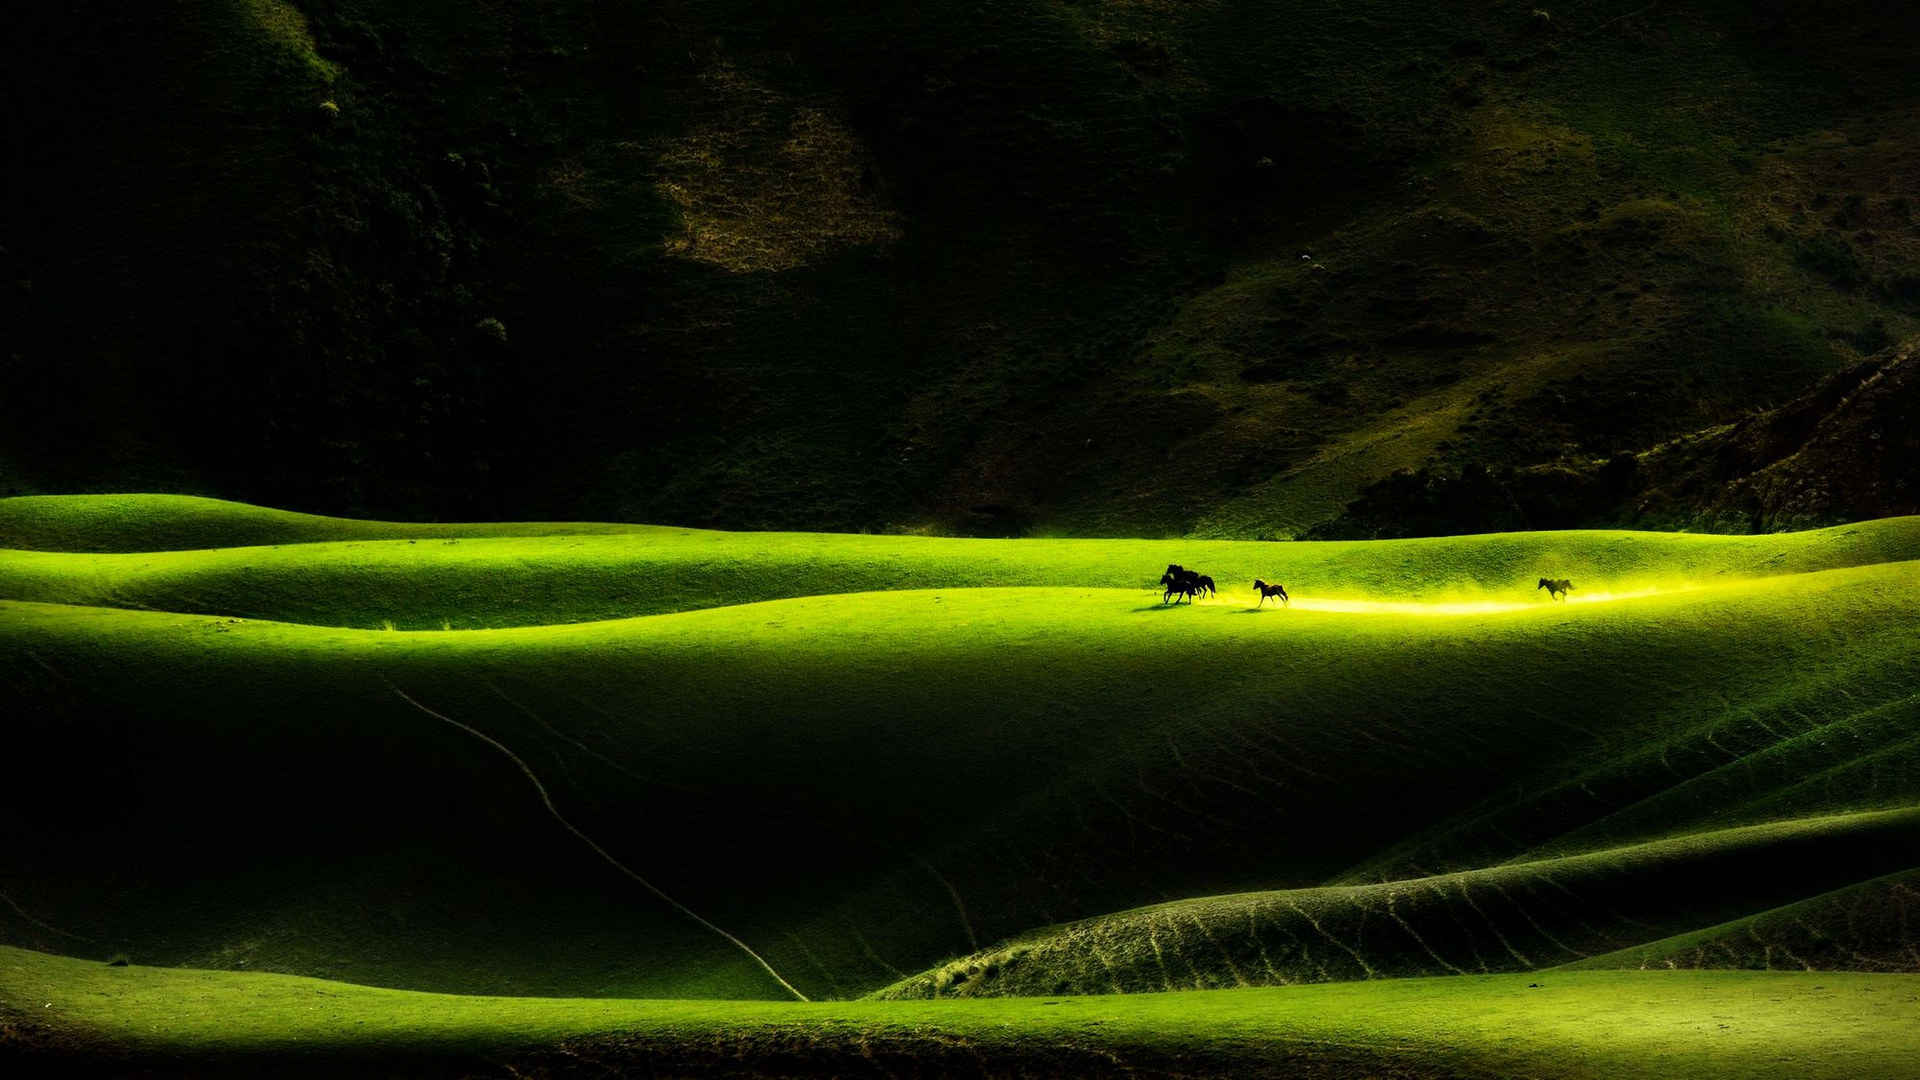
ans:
(1268, 592)
(1189, 583)
(1557, 588)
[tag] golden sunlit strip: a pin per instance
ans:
(1453, 607)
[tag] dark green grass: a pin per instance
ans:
(1518, 917)
(1772, 759)
(1871, 926)
(1614, 1024)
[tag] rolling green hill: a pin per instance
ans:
(148, 523)
(849, 766)
(986, 759)
(1864, 927)
(342, 572)
(1517, 917)
(1717, 1025)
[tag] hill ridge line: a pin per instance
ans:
(1232, 601)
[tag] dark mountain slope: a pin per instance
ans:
(984, 267)
(1847, 450)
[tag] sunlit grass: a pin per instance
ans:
(996, 736)
(1084, 711)
(1613, 1024)
(353, 573)
(1441, 606)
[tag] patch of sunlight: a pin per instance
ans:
(287, 27)
(765, 182)
(1353, 606)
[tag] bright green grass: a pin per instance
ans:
(1589, 1024)
(893, 778)
(868, 755)
(463, 578)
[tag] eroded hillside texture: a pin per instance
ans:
(999, 267)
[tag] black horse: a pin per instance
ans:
(1188, 583)
(1557, 588)
(1268, 592)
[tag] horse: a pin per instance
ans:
(1193, 581)
(1178, 585)
(1195, 577)
(1268, 592)
(1557, 588)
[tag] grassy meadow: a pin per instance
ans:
(642, 788)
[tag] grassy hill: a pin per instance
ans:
(1720, 1025)
(148, 523)
(1864, 927)
(1003, 268)
(342, 572)
(1521, 916)
(985, 759)
(619, 762)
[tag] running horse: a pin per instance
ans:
(1268, 592)
(1175, 585)
(1557, 588)
(1189, 583)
